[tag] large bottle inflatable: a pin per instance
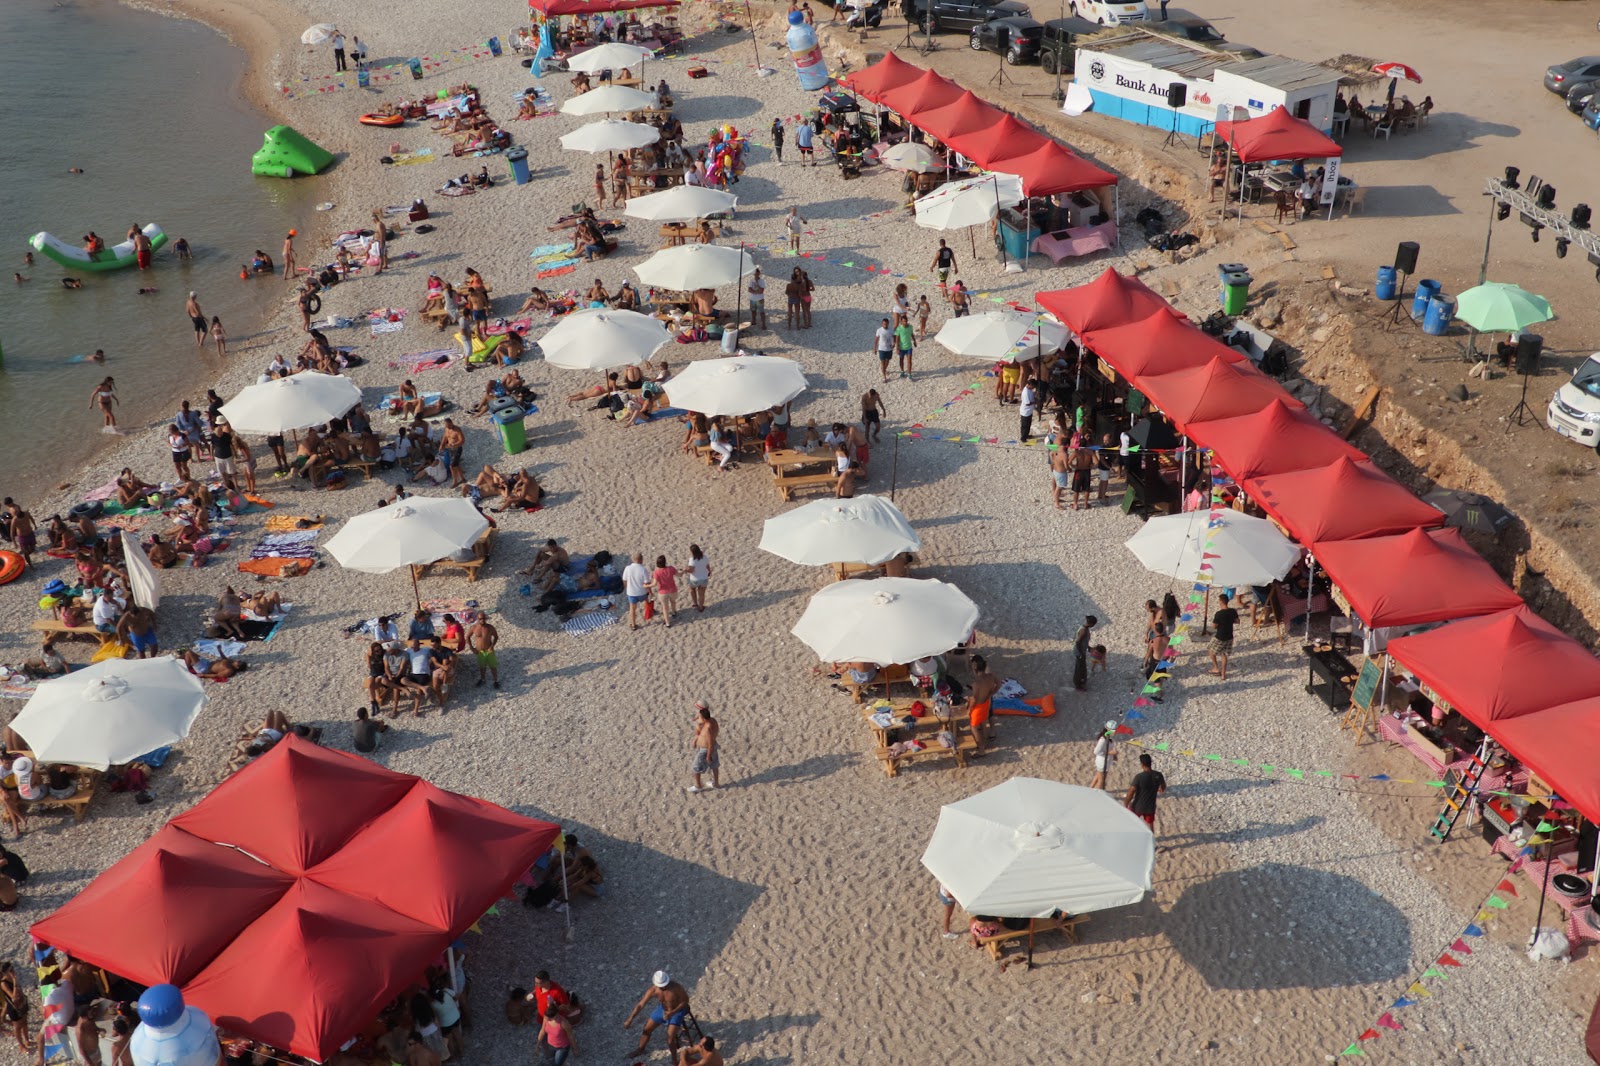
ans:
(171, 1033)
(286, 152)
(808, 63)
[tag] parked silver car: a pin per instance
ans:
(1561, 77)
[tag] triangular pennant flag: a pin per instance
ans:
(1461, 947)
(1543, 827)
(1298, 775)
(1160, 746)
(1420, 992)
(1507, 886)
(1370, 1034)
(1388, 1022)
(1133, 716)
(494, 908)
(1353, 1049)
(1379, 777)
(1401, 1002)
(1123, 730)
(1497, 903)
(1448, 959)
(1433, 971)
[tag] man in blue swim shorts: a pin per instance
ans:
(137, 627)
(671, 1009)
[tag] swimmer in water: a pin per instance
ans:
(181, 247)
(27, 259)
(147, 292)
(71, 283)
(99, 356)
(74, 170)
(19, 279)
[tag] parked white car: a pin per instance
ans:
(1111, 12)
(1574, 410)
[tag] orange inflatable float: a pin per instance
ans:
(381, 120)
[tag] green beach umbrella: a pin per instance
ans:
(1498, 307)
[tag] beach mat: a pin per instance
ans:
(589, 622)
(1043, 707)
(403, 159)
(557, 271)
(289, 523)
(276, 567)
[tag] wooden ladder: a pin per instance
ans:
(1459, 797)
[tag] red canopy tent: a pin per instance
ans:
(968, 113)
(1219, 388)
(1279, 438)
(552, 8)
(1007, 136)
(1048, 169)
(926, 93)
(1502, 666)
(1277, 135)
(1561, 745)
(301, 895)
(1158, 344)
(875, 81)
(1109, 300)
(1341, 501)
(1414, 578)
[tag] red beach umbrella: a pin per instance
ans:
(1394, 72)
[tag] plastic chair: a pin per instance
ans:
(1385, 128)
(1356, 201)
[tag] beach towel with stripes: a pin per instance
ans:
(589, 622)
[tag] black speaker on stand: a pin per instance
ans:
(1530, 346)
(1405, 264)
(1177, 96)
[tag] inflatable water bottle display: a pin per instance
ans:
(170, 1033)
(808, 63)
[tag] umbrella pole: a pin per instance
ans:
(1029, 965)
(738, 286)
(1544, 889)
(414, 590)
(1311, 580)
(894, 468)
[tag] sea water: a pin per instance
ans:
(149, 107)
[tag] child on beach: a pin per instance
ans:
(924, 309)
(219, 336)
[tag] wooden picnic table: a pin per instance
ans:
(787, 465)
(925, 729)
(678, 233)
(653, 179)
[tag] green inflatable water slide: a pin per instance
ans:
(287, 152)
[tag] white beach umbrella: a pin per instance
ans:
(908, 155)
(608, 98)
(866, 529)
(696, 266)
(1246, 550)
(144, 581)
(111, 712)
(886, 620)
(740, 385)
(612, 56)
(610, 135)
(1028, 848)
(1001, 335)
(319, 34)
(411, 532)
(967, 203)
(598, 339)
(681, 203)
(294, 402)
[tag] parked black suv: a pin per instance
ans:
(1016, 38)
(1059, 38)
(960, 14)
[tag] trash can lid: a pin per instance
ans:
(1237, 277)
(1232, 268)
(518, 152)
(507, 414)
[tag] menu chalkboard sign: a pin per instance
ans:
(1366, 689)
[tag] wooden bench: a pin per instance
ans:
(787, 485)
(480, 556)
(1067, 927)
(86, 781)
(845, 571)
(56, 625)
(965, 745)
(887, 676)
(366, 466)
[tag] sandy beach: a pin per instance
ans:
(1288, 913)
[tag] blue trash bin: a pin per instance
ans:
(1387, 285)
(518, 158)
(1427, 289)
(1441, 309)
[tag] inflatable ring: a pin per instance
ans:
(314, 303)
(11, 566)
(90, 509)
(381, 120)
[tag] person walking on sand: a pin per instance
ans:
(197, 318)
(338, 52)
(288, 256)
(960, 301)
(706, 759)
(905, 345)
(103, 397)
(777, 140)
(1028, 406)
(924, 309)
(944, 264)
(803, 134)
(1080, 653)
(795, 224)
(1222, 626)
(883, 339)
(483, 638)
(555, 1032)
(756, 290)
(664, 583)
(1148, 783)
(358, 51)
(636, 586)
(219, 336)
(1104, 755)
(671, 1009)
(1060, 470)
(947, 902)
(699, 577)
(871, 408)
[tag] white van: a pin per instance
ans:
(1575, 408)
(1111, 12)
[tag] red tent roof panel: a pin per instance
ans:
(873, 82)
(1502, 666)
(926, 93)
(1561, 745)
(967, 114)
(1414, 578)
(1005, 136)
(1157, 344)
(1219, 388)
(1341, 501)
(1108, 301)
(1048, 169)
(1277, 135)
(1280, 438)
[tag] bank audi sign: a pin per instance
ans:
(1146, 84)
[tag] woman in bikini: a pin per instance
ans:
(104, 395)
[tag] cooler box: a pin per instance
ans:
(512, 434)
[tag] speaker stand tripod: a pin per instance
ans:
(1522, 414)
(1399, 298)
(1172, 134)
(1000, 74)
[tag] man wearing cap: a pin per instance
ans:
(705, 748)
(1103, 755)
(672, 1007)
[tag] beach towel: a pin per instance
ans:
(282, 522)
(425, 360)
(556, 272)
(130, 522)
(588, 622)
(383, 326)
(521, 325)
(275, 567)
(217, 649)
(298, 536)
(109, 489)
(423, 368)
(403, 159)
(1043, 707)
(551, 250)
(284, 551)
(17, 687)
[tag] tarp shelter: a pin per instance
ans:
(1277, 135)
(1109, 300)
(552, 8)
(1050, 169)
(1561, 745)
(1414, 578)
(1005, 136)
(1158, 344)
(1219, 388)
(1341, 501)
(926, 93)
(1501, 666)
(1280, 438)
(876, 81)
(302, 895)
(968, 114)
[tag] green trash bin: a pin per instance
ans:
(1235, 292)
(512, 434)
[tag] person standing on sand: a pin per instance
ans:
(777, 140)
(303, 302)
(338, 52)
(1222, 626)
(1148, 783)
(944, 264)
(980, 700)
(197, 318)
(795, 224)
(1080, 653)
(482, 638)
(1060, 470)
(699, 577)
(219, 336)
(664, 583)
(706, 758)
(103, 396)
(636, 586)
(757, 293)
(288, 256)
(1104, 756)
(871, 409)
(359, 52)
(671, 1009)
